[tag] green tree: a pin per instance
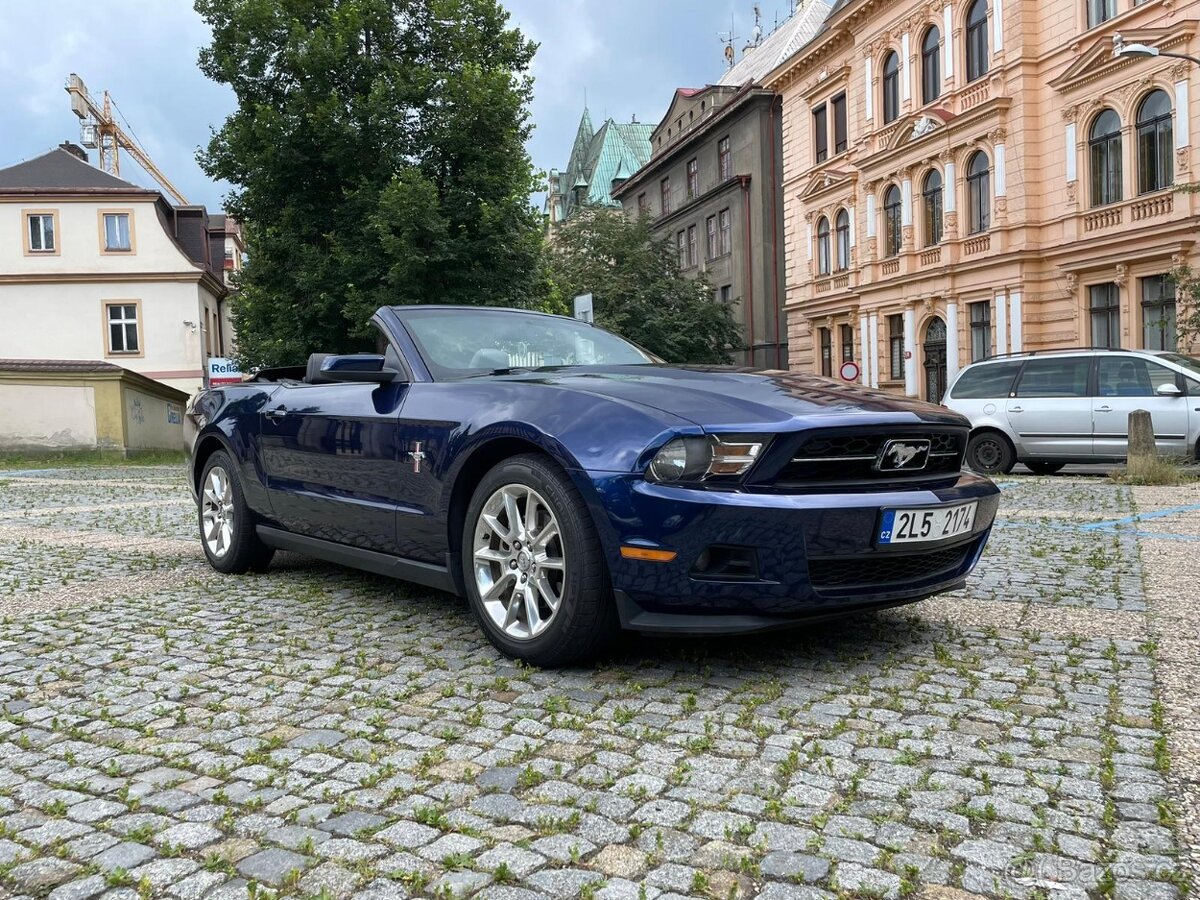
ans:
(640, 291)
(377, 156)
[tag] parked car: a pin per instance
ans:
(1048, 409)
(569, 484)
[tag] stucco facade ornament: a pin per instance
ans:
(1072, 283)
(923, 126)
(1072, 191)
(1183, 159)
(1122, 273)
(1070, 113)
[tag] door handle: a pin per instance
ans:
(1016, 409)
(1103, 409)
(277, 414)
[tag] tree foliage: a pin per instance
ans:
(377, 156)
(1187, 308)
(639, 288)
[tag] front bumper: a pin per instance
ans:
(814, 555)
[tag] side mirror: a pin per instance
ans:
(369, 368)
(1168, 390)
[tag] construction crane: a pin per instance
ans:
(98, 130)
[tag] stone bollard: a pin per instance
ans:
(1141, 435)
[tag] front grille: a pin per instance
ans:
(882, 570)
(847, 456)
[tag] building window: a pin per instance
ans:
(122, 322)
(710, 227)
(1099, 11)
(1104, 152)
(979, 194)
(692, 249)
(977, 40)
(118, 236)
(846, 336)
(892, 227)
(1104, 302)
(664, 188)
(1156, 169)
(823, 248)
(681, 248)
(826, 352)
(724, 159)
(1158, 313)
(981, 331)
(725, 295)
(41, 231)
(842, 228)
(891, 87)
(643, 204)
(840, 140)
(726, 231)
(896, 347)
(931, 195)
(693, 179)
(931, 65)
(820, 133)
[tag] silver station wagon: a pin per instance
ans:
(1048, 409)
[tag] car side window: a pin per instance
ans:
(988, 381)
(1131, 377)
(1191, 386)
(1055, 377)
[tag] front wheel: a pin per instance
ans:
(990, 453)
(226, 522)
(1043, 468)
(535, 573)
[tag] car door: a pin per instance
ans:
(1125, 382)
(331, 458)
(1050, 411)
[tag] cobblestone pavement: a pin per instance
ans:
(166, 731)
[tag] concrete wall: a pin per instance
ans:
(47, 417)
(152, 423)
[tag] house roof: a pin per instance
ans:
(59, 170)
(615, 151)
(56, 365)
(780, 44)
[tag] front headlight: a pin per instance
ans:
(697, 458)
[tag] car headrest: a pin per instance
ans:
(314, 375)
(489, 359)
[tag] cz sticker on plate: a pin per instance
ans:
(925, 524)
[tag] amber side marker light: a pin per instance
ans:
(648, 555)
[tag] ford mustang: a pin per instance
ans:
(569, 484)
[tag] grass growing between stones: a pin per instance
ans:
(1152, 470)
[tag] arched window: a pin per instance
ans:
(931, 65)
(979, 193)
(823, 266)
(891, 87)
(977, 40)
(841, 224)
(892, 227)
(1104, 152)
(931, 195)
(1156, 169)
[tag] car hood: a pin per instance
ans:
(728, 397)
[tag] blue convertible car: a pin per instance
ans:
(569, 484)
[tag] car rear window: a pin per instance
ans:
(1057, 377)
(986, 382)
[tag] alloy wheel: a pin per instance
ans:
(519, 561)
(216, 512)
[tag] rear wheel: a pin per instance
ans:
(1043, 468)
(990, 453)
(226, 522)
(535, 574)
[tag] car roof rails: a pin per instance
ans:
(1025, 353)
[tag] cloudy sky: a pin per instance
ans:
(626, 55)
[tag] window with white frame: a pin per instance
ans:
(122, 321)
(41, 232)
(117, 236)
(1100, 11)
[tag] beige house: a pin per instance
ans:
(966, 178)
(96, 268)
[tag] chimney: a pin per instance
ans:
(74, 149)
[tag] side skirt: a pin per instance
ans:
(423, 573)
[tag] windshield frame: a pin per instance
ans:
(1190, 364)
(407, 316)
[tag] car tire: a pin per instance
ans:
(512, 574)
(990, 453)
(227, 533)
(1043, 468)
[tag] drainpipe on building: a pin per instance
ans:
(779, 364)
(745, 182)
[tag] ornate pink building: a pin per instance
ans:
(966, 178)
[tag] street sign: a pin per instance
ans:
(849, 371)
(583, 308)
(222, 371)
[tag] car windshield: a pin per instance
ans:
(1188, 362)
(461, 343)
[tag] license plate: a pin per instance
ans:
(916, 525)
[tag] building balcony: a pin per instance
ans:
(1099, 220)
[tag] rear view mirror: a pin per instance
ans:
(358, 367)
(1168, 390)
